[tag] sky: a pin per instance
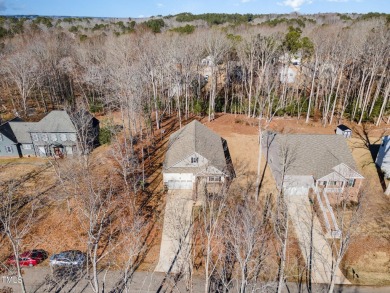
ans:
(146, 8)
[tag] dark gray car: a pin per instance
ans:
(69, 258)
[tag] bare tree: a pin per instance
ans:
(23, 71)
(348, 210)
(246, 232)
(16, 218)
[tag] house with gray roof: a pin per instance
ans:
(383, 157)
(57, 134)
(314, 164)
(195, 152)
(311, 161)
(8, 141)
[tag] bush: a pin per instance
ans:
(83, 38)
(96, 107)
(105, 135)
(188, 29)
(155, 25)
(199, 107)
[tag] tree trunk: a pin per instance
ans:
(283, 260)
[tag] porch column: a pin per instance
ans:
(342, 186)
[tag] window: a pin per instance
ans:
(8, 149)
(63, 136)
(351, 183)
(34, 137)
(27, 146)
(72, 137)
(44, 137)
(215, 179)
(53, 137)
(194, 160)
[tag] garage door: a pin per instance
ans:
(179, 184)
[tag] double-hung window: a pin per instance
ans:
(8, 149)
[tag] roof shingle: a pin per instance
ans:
(195, 137)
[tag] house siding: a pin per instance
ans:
(7, 144)
(44, 142)
(383, 157)
(187, 162)
(25, 151)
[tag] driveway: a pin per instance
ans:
(309, 233)
(176, 235)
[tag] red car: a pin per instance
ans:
(28, 258)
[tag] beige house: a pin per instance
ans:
(195, 153)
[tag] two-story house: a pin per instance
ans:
(57, 134)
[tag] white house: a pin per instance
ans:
(383, 157)
(195, 152)
(288, 74)
(344, 131)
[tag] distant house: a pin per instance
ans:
(344, 131)
(57, 134)
(383, 157)
(288, 74)
(322, 162)
(196, 154)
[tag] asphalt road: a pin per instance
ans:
(41, 279)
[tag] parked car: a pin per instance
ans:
(69, 258)
(29, 258)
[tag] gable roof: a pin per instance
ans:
(343, 127)
(22, 130)
(6, 130)
(55, 121)
(313, 154)
(195, 137)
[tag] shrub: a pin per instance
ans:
(105, 135)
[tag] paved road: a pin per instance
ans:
(176, 235)
(310, 234)
(40, 279)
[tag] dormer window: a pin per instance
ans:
(194, 160)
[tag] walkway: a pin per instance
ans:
(176, 235)
(299, 209)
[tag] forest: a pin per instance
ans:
(342, 71)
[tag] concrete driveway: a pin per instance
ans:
(309, 233)
(176, 235)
